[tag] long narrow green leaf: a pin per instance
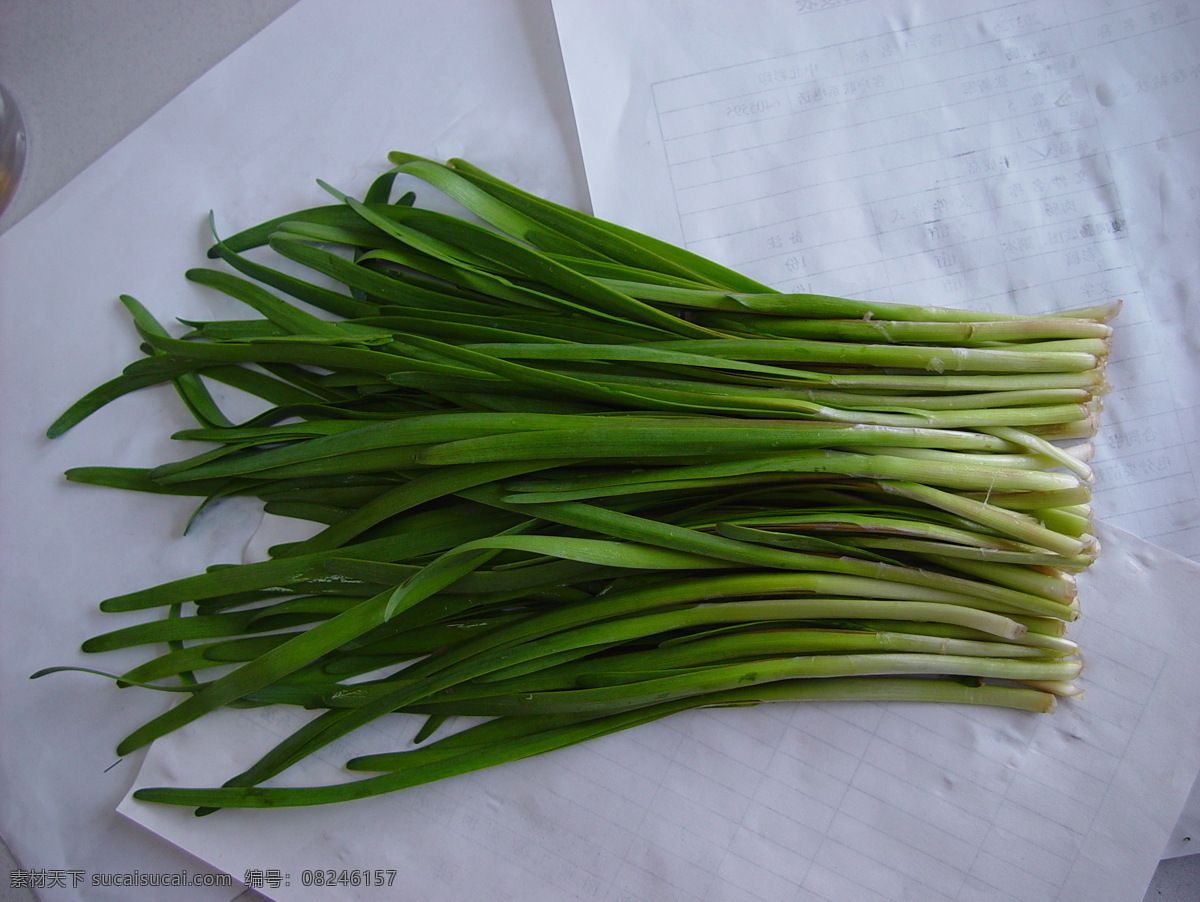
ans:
(545, 736)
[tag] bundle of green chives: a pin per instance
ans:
(570, 479)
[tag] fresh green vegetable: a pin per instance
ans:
(572, 479)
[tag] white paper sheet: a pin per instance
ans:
(814, 803)
(840, 802)
(323, 93)
(1025, 156)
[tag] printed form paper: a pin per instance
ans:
(1023, 156)
(1010, 156)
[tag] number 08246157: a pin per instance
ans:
(344, 877)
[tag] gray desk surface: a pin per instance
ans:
(87, 74)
